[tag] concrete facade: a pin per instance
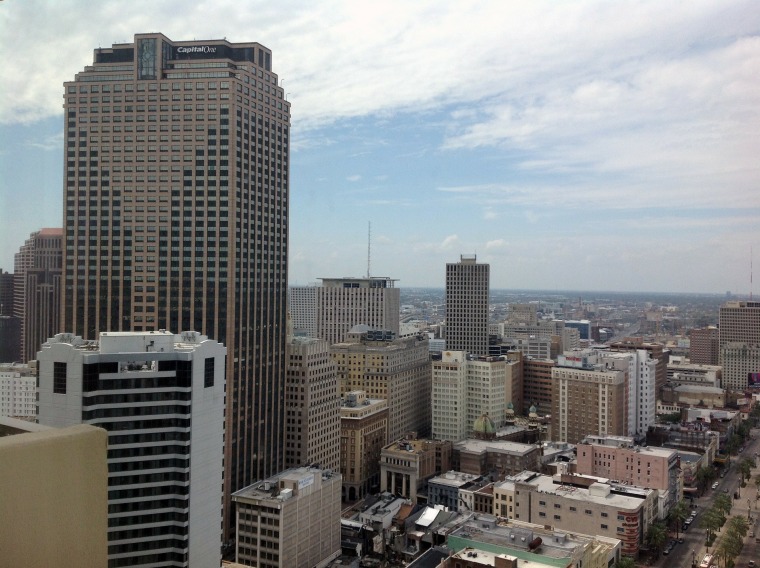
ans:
(363, 433)
(291, 520)
(499, 457)
(406, 465)
(312, 405)
(397, 370)
(704, 346)
(53, 500)
(18, 390)
(467, 300)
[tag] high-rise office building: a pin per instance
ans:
(312, 405)
(704, 346)
(176, 216)
(739, 332)
(343, 303)
(302, 305)
(467, 305)
(160, 396)
(37, 289)
(6, 293)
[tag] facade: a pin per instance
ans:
(343, 303)
(444, 489)
(291, 520)
(176, 216)
(312, 405)
(55, 489)
(37, 289)
(302, 305)
(537, 385)
(407, 465)
(397, 370)
(704, 346)
(579, 504)
(18, 391)
(466, 387)
(467, 293)
(682, 371)
(656, 351)
(6, 293)
(363, 433)
(10, 339)
(617, 457)
(588, 399)
(741, 365)
(160, 396)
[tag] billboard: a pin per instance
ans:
(753, 380)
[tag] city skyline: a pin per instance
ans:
(572, 147)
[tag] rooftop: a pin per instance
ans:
(503, 446)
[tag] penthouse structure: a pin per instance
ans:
(343, 303)
(467, 293)
(581, 504)
(176, 216)
(290, 520)
(160, 396)
(389, 368)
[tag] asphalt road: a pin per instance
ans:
(693, 546)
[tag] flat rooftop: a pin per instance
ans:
(505, 446)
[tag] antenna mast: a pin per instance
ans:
(369, 247)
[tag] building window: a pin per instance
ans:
(59, 378)
(604, 527)
(588, 511)
(208, 372)
(604, 514)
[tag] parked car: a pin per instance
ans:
(685, 526)
(715, 485)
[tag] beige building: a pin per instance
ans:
(741, 365)
(343, 303)
(291, 520)
(704, 345)
(312, 405)
(683, 371)
(397, 370)
(618, 458)
(588, 400)
(537, 385)
(407, 465)
(579, 504)
(18, 390)
(54, 495)
(302, 307)
(466, 387)
(467, 300)
(363, 433)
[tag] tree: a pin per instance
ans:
(738, 525)
(625, 562)
(746, 468)
(705, 475)
(722, 504)
(678, 514)
(712, 519)
(656, 536)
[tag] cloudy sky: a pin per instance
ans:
(571, 145)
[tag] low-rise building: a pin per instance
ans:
(291, 520)
(408, 464)
(483, 457)
(444, 490)
(579, 503)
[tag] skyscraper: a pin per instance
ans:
(37, 289)
(176, 216)
(467, 306)
(160, 396)
(739, 333)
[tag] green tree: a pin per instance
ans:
(712, 519)
(745, 466)
(739, 525)
(678, 514)
(722, 504)
(730, 546)
(625, 562)
(705, 475)
(733, 445)
(656, 536)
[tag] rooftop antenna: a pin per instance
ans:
(750, 273)
(369, 247)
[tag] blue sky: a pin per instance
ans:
(572, 145)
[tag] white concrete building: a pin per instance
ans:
(160, 396)
(18, 391)
(465, 387)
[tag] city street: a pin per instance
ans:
(693, 547)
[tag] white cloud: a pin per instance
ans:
(354, 178)
(496, 244)
(450, 242)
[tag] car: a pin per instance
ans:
(685, 527)
(715, 485)
(726, 492)
(751, 563)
